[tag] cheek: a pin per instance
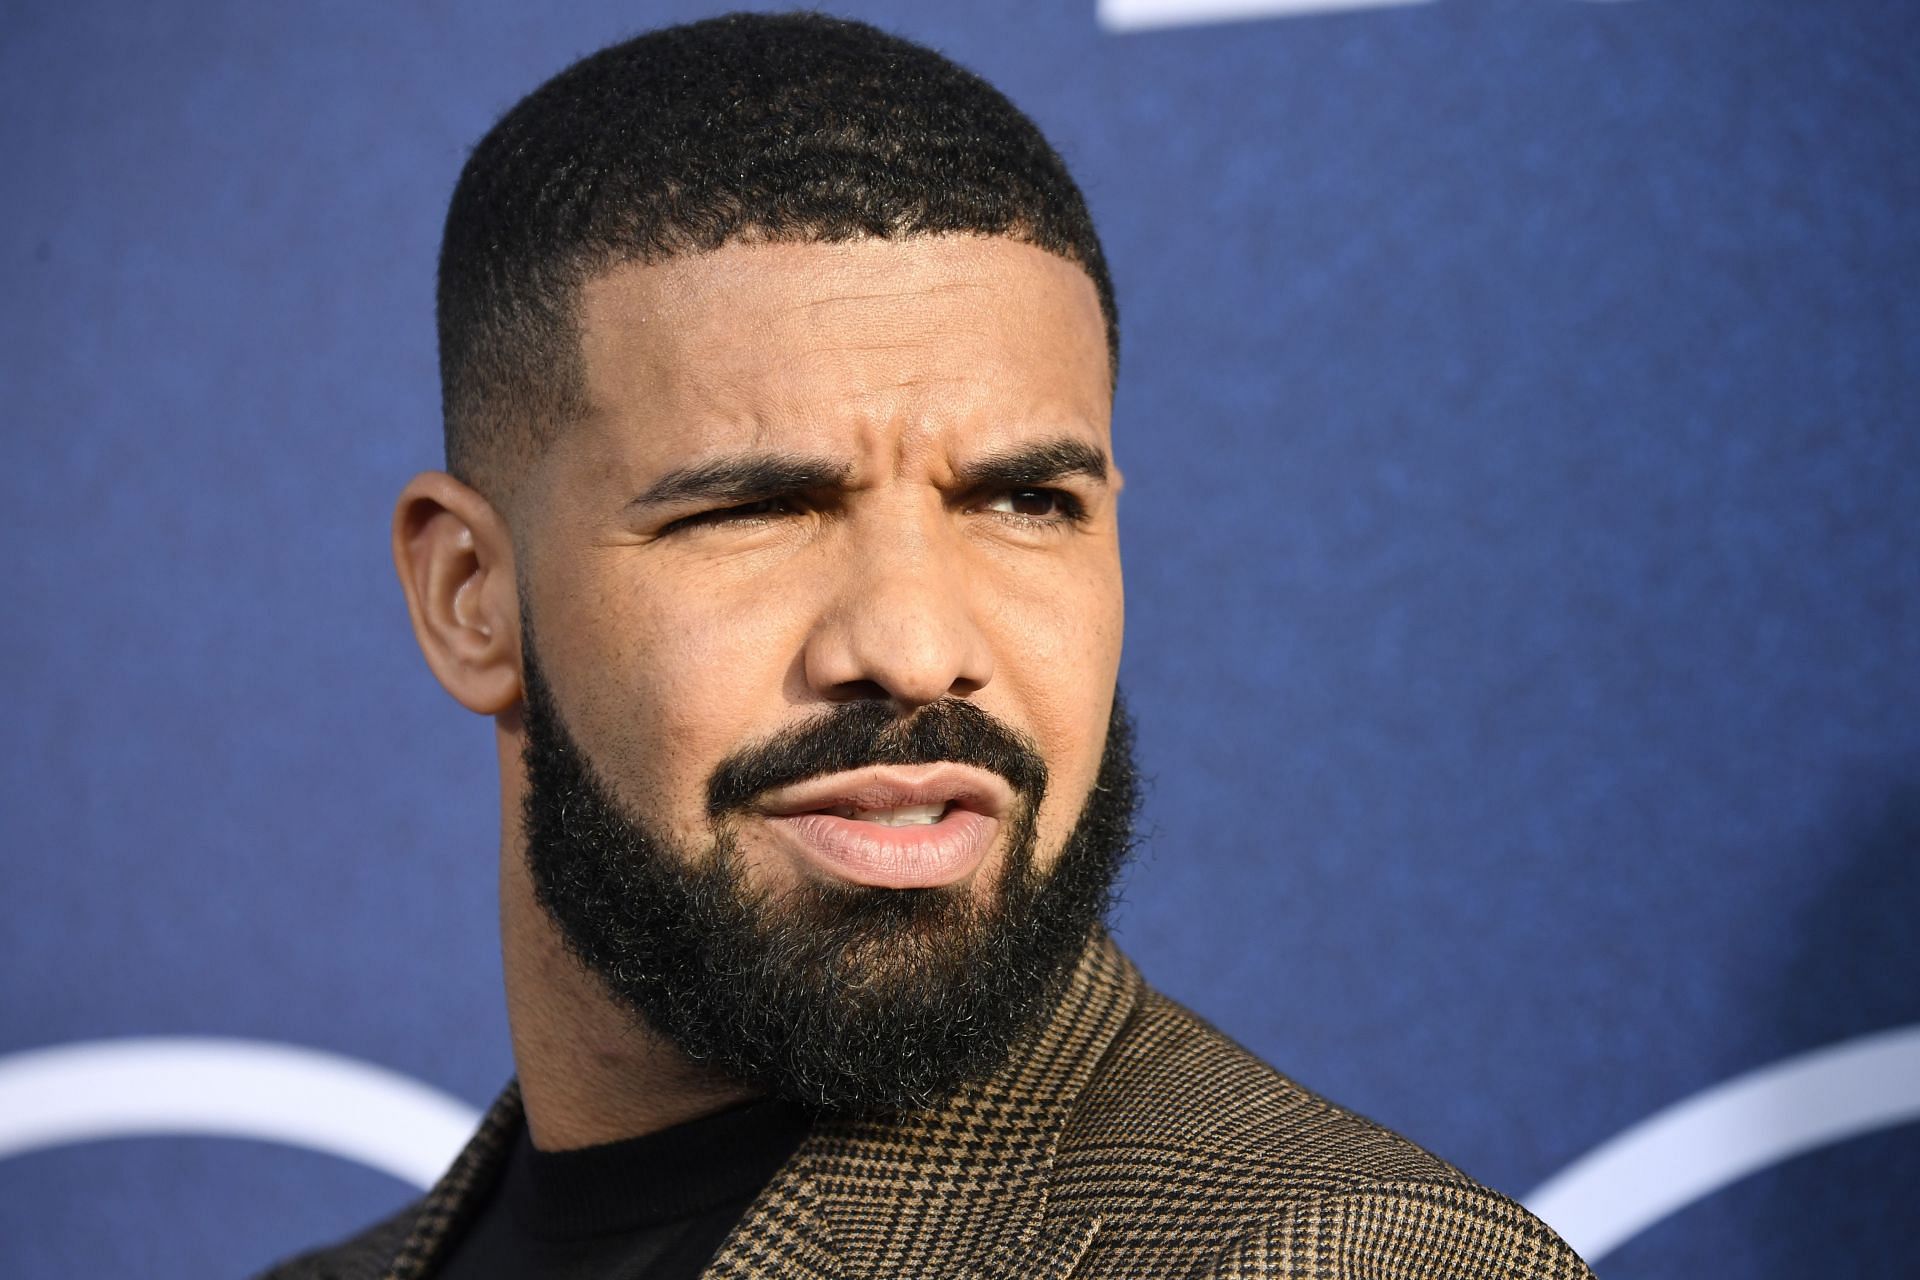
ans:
(1060, 657)
(662, 682)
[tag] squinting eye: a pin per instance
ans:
(746, 512)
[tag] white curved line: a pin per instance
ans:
(1722, 1134)
(137, 1087)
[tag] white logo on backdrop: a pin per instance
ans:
(325, 1102)
(1142, 15)
(1722, 1134)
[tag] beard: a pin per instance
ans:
(838, 997)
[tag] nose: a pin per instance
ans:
(900, 622)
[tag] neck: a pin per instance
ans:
(589, 1071)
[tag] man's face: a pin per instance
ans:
(826, 596)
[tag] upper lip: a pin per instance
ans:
(895, 787)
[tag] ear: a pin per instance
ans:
(455, 558)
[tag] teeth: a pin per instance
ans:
(907, 815)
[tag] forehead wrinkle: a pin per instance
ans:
(793, 379)
(809, 357)
(910, 321)
(889, 295)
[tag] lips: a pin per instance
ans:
(912, 827)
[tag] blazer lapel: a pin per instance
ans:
(459, 1193)
(958, 1191)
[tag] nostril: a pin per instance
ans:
(964, 687)
(859, 691)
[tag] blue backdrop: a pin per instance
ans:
(1523, 540)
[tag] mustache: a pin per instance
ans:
(858, 735)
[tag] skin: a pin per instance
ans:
(673, 633)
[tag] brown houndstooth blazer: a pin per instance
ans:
(1128, 1141)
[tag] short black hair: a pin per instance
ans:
(794, 127)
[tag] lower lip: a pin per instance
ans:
(923, 856)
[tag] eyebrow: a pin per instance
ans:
(743, 478)
(1042, 462)
(746, 477)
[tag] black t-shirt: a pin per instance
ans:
(649, 1208)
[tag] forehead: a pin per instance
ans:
(794, 343)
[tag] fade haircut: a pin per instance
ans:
(749, 127)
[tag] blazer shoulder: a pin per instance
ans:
(1453, 1230)
(1173, 1087)
(1179, 1122)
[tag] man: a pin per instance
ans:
(778, 539)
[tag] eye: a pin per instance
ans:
(758, 511)
(1041, 506)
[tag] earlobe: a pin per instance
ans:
(455, 559)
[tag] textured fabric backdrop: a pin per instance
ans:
(1523, 540)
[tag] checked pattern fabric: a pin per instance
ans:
(1125, 1140)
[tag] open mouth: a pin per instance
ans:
(906, 815)
(895, 796)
